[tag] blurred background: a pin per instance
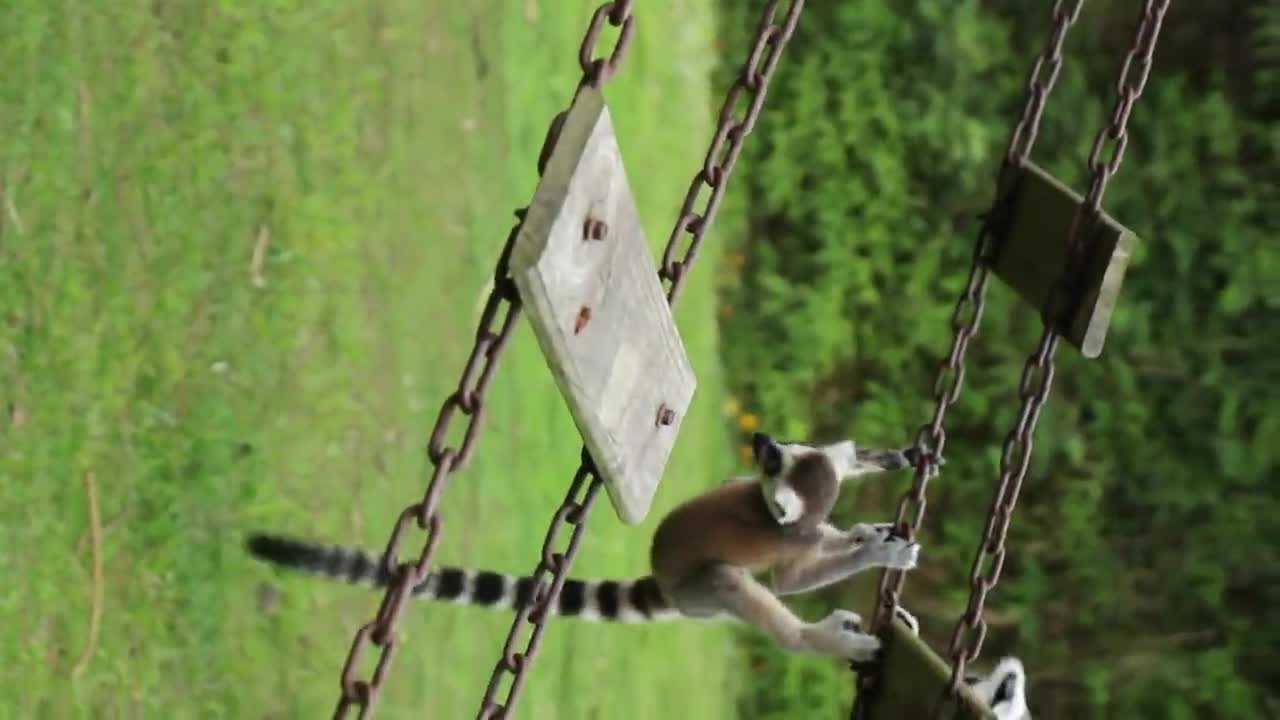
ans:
(243, 248)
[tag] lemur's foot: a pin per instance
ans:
(912, 624)
(841, 634)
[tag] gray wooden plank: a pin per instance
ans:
(1032, 254)
(592, 294)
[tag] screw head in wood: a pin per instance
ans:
(666, 416)
(584, 317)
(594, 229)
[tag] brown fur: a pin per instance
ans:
(731, 525)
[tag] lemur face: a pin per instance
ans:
(801, 481)
(795, 479)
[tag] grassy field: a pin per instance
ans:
(242, 250)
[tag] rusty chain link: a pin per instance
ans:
(771, 38)
(469, 400)
(930, 439)
(596, 72)
(1038, 372)
(573, 512)
(1024, 132)
(726, 143)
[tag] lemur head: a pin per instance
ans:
(800, 482)
(1005, 690)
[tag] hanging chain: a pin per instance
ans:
(572, 512)
(468, 400)
(967, 316)
(726, 144)
(717, 166)
(1037, 375)
(1044, 74)
(931, 438)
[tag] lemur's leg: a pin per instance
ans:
(863, 547)
(734, 591)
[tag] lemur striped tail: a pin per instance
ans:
(638, 600)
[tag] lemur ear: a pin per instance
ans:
(768, 456)
(759, 441)
(843, 457)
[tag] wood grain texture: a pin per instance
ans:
(1032, 254)
(598, 310)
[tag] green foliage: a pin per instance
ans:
(1142, 577)
(781, 686)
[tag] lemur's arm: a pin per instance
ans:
(841, 554)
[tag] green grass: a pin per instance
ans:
(373, 152)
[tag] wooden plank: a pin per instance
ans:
(591, 289)
(1032, 254)
(912, 678)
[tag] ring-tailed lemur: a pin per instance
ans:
(704, 556)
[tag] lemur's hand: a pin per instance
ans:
(888, 547)
(866, 533)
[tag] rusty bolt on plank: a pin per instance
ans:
(666, 416)
(584, 317)
(594, 229)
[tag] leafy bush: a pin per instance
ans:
(1144, 577)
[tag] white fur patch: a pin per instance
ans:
(906, 617)
(590, 610)
(787, 505)
(840, 634)
(843, 457)
(626, 612)
(1013, 707)
(468, 588)
(508, 599)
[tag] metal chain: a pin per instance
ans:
(754, 78)
(931, 438)
(573, 512)
(1038, 372)
(1024, 133)
(726, 144)
(469, 400)
(966, 318)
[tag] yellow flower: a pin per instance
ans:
(731, 406)
(747, 454)
(748, 422)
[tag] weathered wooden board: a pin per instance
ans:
(1033, 251)
(591, 289)
(912, 678)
